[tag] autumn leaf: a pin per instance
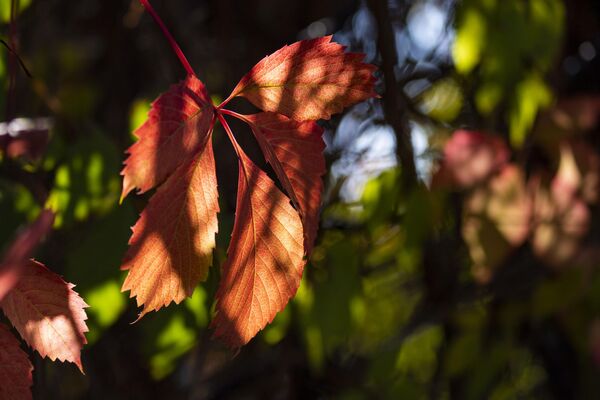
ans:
(171, 246)
(308, 80)
(21, 250)
(48, 314)
(265, 258)
(177, 128)
(295, 150)
(15, 368)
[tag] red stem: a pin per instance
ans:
(233, 114)
(234, 142)
(169, 37)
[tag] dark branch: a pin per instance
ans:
(393, 105)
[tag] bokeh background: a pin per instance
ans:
(459, 241)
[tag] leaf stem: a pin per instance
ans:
(184, 62)
(234, 142)
(233, 114)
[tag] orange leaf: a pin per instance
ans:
(265, 258)
(295, 150)
(15, 368)
(171, 246)
(308, 80)
(177, 128)
(48, 314)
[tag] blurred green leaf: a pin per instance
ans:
(531, 95)
(138, 114)
(470, 40)
(443, 101)
(5, 9)
(87, 182)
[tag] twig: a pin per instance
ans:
(393, 105)
(14, 53)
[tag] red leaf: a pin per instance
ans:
(308, 80)
(177, 128)
(48, 314)
(171, 246)
(21, 250)
(15, 368)
(265, 258)
(295, 150)
(470, 157)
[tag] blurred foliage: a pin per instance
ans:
(478, 281)
(509, 45)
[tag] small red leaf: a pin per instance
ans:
(178, 125)
(308, 80)
(15, 368)
(295, 150)
(48, 314)
(171, 246)
(265, 258)
(21, 250)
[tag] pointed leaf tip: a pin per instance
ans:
(48, 314)
(173, 240)
(308, 80)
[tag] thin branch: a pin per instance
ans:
(14, 53)
(169, 37)
(394, 106)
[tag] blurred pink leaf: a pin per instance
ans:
(469, 158)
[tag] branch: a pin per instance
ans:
(394, 106)
(15, 54)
